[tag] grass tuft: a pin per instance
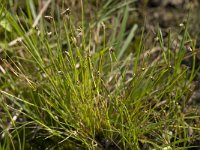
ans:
(72, 84)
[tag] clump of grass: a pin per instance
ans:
(68, 86)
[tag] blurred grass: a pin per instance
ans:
(70, 83)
